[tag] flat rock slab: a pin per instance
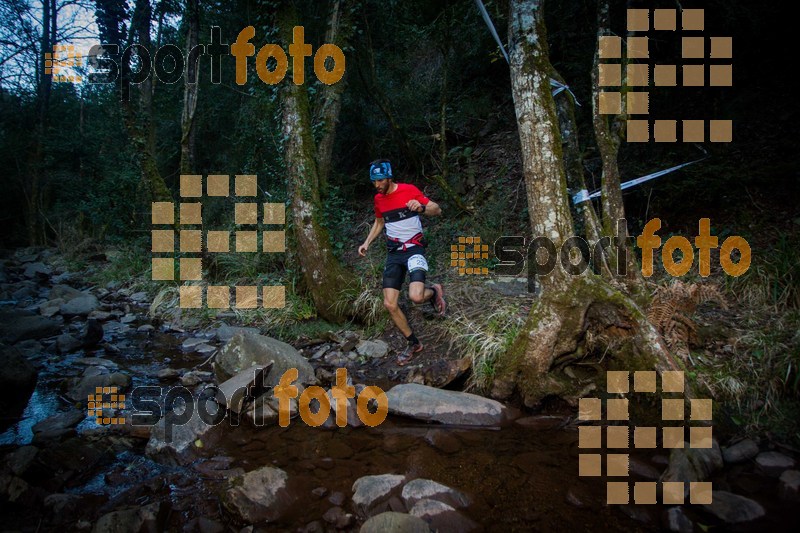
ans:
(789, 488)
(732, 508)
(774, 463)
(740, 452)
(392, 522)
(443, 406)
(241, 387)
(259, 496)
(175, 440)
(370, 491)
(426, 489)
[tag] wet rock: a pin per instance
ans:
(100, 316)
(78, 389)
(128, 319)
(447, 407)
(51, 308)
(146, 328)
(66, 343)
(195, 377)
(243, 386)
(440, 373)
(17, 381)
(80, 306)
(740, 452)
(225, 333)
(205, 349)
(96, 361)
(369, 492)
(34, 270)
(732, 508)
(421, 489)
(677, 521)
(789, 488)
(774, 463)
(372, 349)
(168, 374)
(443, 441)
(139, 297)
(30, 348)
(58, 425)
(175, 440)
(259, 496)
(191, 343)
(391, 522)
(152, 517)
(246, 350)
(16, 327)
(62, 278)
(314, 527)
(264, 411)
(70, 459)
(693, 464)
(339, 519)
(337, 498)
(319, 492)
(21, 459)
(442, 517)
(65, 292)
(62, 504)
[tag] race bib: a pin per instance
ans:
(417, 262)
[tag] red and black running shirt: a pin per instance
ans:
(403, 226)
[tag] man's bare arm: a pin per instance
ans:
(377, 228)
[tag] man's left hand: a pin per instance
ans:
(414, 205)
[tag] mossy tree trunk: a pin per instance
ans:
(323, 275)
(576, 314)
(191, 85)
(609, 132)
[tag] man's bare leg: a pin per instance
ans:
(418, 293)
(390, 297)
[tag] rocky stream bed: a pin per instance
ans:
(443, 460)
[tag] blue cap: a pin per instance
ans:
(380, 170)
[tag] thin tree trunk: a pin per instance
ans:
(190, 88)
(338, 33)
(608, 134)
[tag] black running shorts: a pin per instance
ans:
(398, 263)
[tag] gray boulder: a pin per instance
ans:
(677, 521)
(447, 407)
(732, 508)
(259, 496)
(372, 349)
(426, 489)
(80, 306)
(774, 463)
(391, 522)
(37, 269)
(226, 333)
(58, 425)
(176, 439)
(66, 343)
(442, 517)
(371, 493)
(247, 350)
(152, 517)
(692, 464)
(65, 292)
(78, 389)
(740, 452)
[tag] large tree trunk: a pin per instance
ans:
(608, 133)
(190, 88)
(323, 275)
(576, 315)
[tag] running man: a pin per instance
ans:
(397, 210)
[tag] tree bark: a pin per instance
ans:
(339, 31)
(190, 88)
(608, 130)
(323, 275)
(576, 314)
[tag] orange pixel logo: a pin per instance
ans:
(633, 83)
(97, 404)
(53, 63)
(460, 253)
(191, 233)
(618, 437)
